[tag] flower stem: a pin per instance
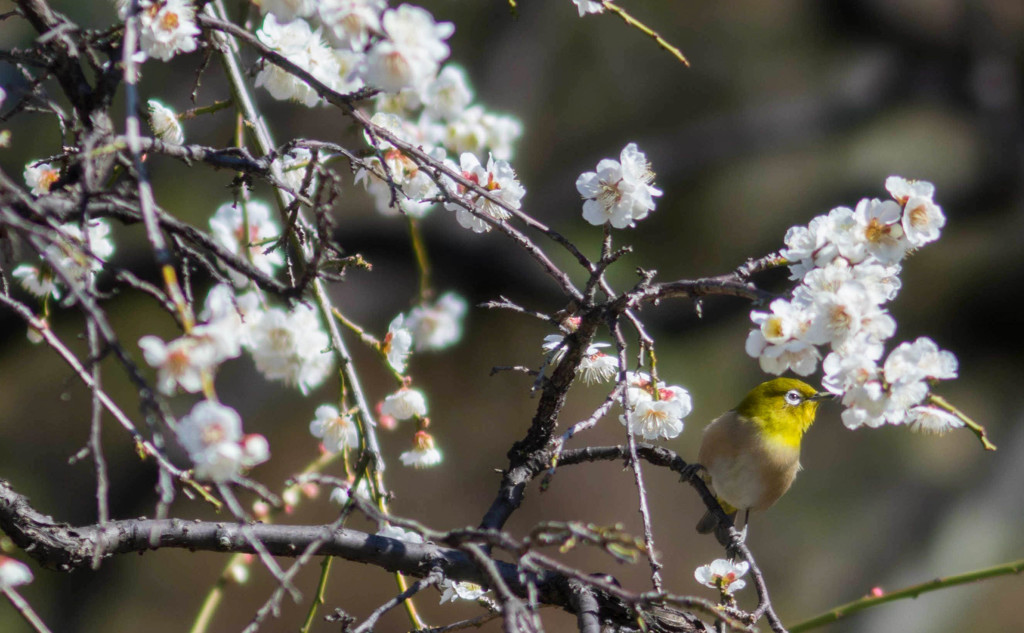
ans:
(643, 28)
(318, 599)
(975, 428)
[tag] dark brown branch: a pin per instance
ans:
(64, 548)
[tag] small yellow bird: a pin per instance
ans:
(751, 454)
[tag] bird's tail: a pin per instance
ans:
(709, 522)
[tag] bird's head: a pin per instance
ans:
(783, 407)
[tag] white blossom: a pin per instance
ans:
(411, 52)
(423, 454)
(338, 431)
(168, 28)
(903, 189)
(397, 344)
(294, 167)
(588, 6)
(877, 233)
(287, 10)
(475, 130)
(404, 404)
(40, 177)
(778, 341)
(303, 47)
(291, 347)
(229, 225)
(350, 23)
(400, 534)
(180, 363)
(620, 192)
(653, 418)
(453, 590)
(415, 185)
(351, 66)
(226, 319)
(439, 325)
(68, 258)
(38, 280)
(920, 360)
(13, 573)
(499, 180)
(341, 494)
(212, 435)
(255, 449)
(848, 266)
(448, 94)
(925, 419)
(922, 221)
(723, 575)
(598, 367)
(164, 123)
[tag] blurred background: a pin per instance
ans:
(790, 108)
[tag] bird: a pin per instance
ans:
(751, 454)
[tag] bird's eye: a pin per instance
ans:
(794, 397)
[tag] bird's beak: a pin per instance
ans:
(822, 395)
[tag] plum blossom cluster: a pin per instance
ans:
(307, 49)
(723, 574)
(348, 44)
(168, 27)
(427, 327)
(620, 192)
(847, 264)
(423, 104)
(417, 189)
(405, 404)
(244, 229)
(499, 180)
(445, 123)
(73, 257)
(655, 410)
(212, 435)
(289, 346)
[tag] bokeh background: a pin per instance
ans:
(791, 108)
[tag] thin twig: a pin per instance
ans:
(634, 463)
(913, 591)
(431, 579)
(25, 610)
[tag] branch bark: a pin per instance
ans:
(63, 547)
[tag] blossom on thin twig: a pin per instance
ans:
(620, 192)
(338, 431)
(423, 453)
(722, 574)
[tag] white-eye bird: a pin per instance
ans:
(751, 454)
